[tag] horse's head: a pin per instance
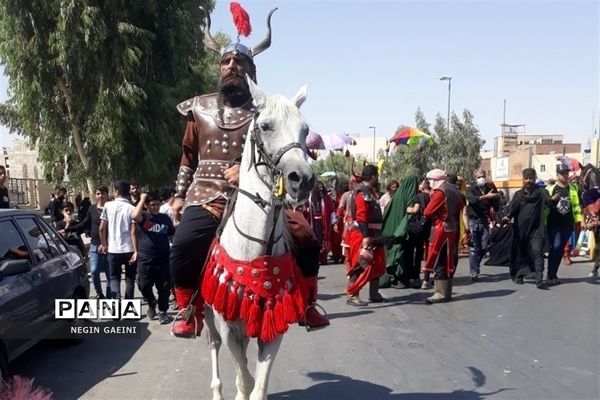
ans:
(279, 132)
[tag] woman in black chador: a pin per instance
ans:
(527, 210)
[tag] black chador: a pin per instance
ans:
(527, 252)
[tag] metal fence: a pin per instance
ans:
(18, 190)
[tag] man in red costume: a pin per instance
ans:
(217, 125)
(320, 207)
(366, 259)
(443, 210)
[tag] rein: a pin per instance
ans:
(271, 162)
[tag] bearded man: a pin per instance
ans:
(443, 210)
(527, 209)
(217, 125)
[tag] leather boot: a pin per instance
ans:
(313, 320)
(440, 292)
(186, 325)
(374, 295)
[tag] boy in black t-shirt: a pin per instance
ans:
(152, 246)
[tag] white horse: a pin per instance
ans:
(275, 148)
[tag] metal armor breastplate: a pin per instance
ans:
(219, 142)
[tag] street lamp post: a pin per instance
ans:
(449, 79)
(374, 130)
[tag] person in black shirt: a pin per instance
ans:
(481, 197)
(152, 246)
(415, 244)
(98, 261)
(4, 200)
(56, 204)
(561, 219)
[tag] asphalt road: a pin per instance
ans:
(495, 340)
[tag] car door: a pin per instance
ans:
(48, 262)
(63, 273)
(19, 302)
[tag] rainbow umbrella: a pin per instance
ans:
(411, 136)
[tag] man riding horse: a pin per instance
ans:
(217, 125)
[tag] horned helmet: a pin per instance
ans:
(242, 23)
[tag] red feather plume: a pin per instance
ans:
(241, 19)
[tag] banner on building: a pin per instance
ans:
(501, 169)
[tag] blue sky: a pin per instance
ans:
(373, 63)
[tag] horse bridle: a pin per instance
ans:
(271, 162)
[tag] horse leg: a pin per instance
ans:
(214, 344)
(266, 356)
(237, 342)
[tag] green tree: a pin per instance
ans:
(459, 149)
(340, 163)
(455, 151)
(94, 84)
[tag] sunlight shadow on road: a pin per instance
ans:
(334, 387)
(327, 296)
(483, 295)
(348, 314)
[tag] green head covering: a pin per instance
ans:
(395, 221)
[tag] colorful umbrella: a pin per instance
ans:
(314, 141)
(411, 136)
(336, 141)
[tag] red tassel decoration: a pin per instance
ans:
(233, 304)
(254, 323)
(268, 333)
(245, 307)
(299, 303)
(241, 19)
(212, 282)
(220, 301)
(289, 311)
(280, 325)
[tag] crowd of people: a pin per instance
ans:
(408, 237)
(419, 226)
(128, 230)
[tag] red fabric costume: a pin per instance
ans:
(335, 237)
(367, 214)
(321, 214)
(266, 294)
(444, 210)
(345, 218)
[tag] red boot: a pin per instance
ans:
(189, 321)
(312, 318)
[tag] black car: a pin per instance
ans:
(37, 266)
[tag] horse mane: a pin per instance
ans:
(280, 108)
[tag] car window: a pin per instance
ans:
(12, 246)
(43, 249)
(52, 236)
